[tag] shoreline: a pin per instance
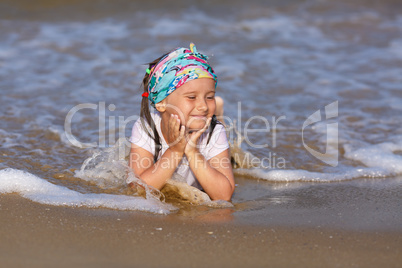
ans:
(47, 236)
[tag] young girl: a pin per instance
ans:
(182, 135)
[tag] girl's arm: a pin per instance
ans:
(215, 175)
(156, 174)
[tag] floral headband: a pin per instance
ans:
(176, 68)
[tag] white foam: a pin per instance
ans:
(41, 191)
(300, 175)
(380, 161)
(378, 155)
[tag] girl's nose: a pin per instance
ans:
(202, 105)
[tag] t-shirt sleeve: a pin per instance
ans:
(218, 142)
(140, 137)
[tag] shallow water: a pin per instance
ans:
(279, 61)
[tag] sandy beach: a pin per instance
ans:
(34, 235)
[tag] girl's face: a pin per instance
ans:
(193, 102)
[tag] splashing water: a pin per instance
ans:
(107, 169)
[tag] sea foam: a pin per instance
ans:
(41, 191)
(379, 160)
(378, 155)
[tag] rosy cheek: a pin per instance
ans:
(212, 107)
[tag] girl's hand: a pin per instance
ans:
(192, 139)
(175, 139)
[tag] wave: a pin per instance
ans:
(41, 191)
(380, 160)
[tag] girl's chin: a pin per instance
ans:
(196, 126)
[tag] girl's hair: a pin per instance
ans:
(146, 115)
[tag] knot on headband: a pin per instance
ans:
(176, 68)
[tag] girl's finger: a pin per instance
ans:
(194, 136)
(182, 131)
(172, 121)
(174, 124)
(178, 126)
(192, 139)
(205, 127)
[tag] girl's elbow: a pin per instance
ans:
(226, 196)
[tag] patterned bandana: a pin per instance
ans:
(178, 67)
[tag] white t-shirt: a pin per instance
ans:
(217, 144)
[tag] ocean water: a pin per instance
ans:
(312, 90)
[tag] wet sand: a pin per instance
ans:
(37, 235)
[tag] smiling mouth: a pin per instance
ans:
(199, 116)
(198, 119)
